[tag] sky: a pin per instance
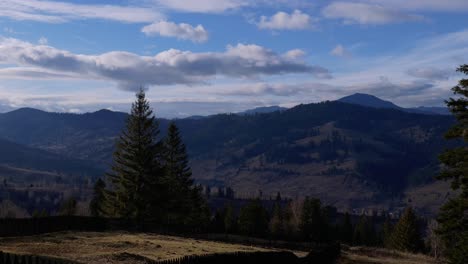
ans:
(201, 57)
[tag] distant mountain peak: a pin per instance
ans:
(27, 110)
(368, 100)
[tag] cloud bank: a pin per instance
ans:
(59, 12)
(169, 67)
(363, 13)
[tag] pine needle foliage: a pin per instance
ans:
(453, 217)
(136, 171)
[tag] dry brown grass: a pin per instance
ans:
(364, 255)
(116, 247)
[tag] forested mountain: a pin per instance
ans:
(345, 154)
(375, 102)
(19, 164)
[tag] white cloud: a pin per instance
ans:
(431, 73)
(426, 5)
(295, 54)
(43, 41)
(165, 68)
(363, 13)
(59, 12)
(202, 6)
(180, 31)
(340, 51)
(284, 21)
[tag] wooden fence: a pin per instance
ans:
(9, 258)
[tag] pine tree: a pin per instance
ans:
(364, 232)
(177, 177)
(453, 217)
(229, 219)
(68, 207)
(346, 229)
(253, 219)
(312, 225)
(96, 204)
(198, 216)
(277, 222)
(136, 191)
(387, 230)
(406, 234)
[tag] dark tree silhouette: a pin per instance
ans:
(453, 217)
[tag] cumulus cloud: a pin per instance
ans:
(340, 51)
(364, 13)
(165, 68)
(59, 12)
(181, 31)
(43, 41)
(284, 21)
(295, 54)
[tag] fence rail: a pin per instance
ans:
(10, 258)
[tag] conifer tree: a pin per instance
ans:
(135, 176)
(68, 207)
(253, 219)
(387, 230)
(312, 225)
(406, 234)
(177, 177)
(229, 219)
(364, 232)
(198, 216)
(346, 229)
(96, 204)
(453, 217)
(277, 222)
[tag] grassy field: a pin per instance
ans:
(121, 247)
(113, 247)
(355, 255)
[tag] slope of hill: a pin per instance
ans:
(346, 154)
(26, 164)
(79, 136)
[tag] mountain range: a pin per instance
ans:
(355, 152)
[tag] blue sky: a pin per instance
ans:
(210, 56)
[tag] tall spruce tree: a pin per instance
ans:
(253, 219)
(230, 219)
(386, 233)
(177, 177)
(364, 232)
(277, 221)
(312, 226)
(135, 176)
(406, 234)
(453, 217)
(346, 229)
(97, 202)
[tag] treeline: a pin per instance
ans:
(310, 221)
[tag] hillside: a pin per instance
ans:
(20, 164)
(346, 154)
